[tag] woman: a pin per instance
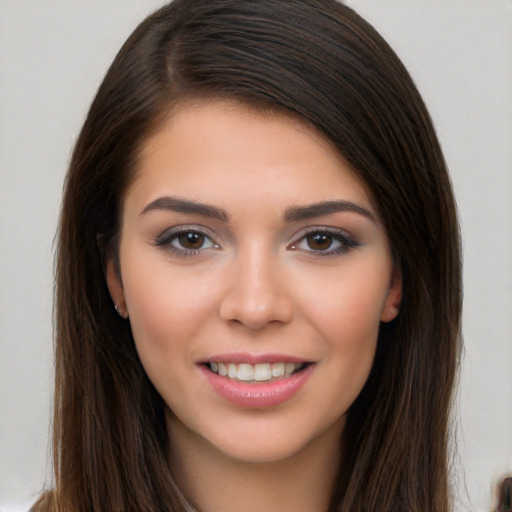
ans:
(258, 274)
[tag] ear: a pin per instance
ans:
(394, 297)
(115, 287)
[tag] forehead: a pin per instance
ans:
(222, 150)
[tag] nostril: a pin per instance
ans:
(256, 311)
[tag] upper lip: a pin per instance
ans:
(244, 357)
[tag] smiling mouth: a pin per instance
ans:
(260, 372)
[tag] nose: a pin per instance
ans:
(257, 294)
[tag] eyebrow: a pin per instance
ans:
(325, 208)
(176, 204)
(293, 213)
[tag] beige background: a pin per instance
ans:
(53, 54)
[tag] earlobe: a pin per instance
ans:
(115, 288)
(394, 298)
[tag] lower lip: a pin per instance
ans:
(257, 395)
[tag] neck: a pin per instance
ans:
(216, 482)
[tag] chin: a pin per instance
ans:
(261, 452)
(260, 439)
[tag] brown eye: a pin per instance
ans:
(182, 241)
(319, 241)
(325, 242)
(191, 240)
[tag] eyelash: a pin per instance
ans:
(167, 238)
(345, 241)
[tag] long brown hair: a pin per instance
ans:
(319, 61)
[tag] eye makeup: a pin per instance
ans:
(324, 241)
(186, 240)
(191, 240)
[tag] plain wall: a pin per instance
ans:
(53, 53)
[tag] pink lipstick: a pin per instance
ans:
(259, 381)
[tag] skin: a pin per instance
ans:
(259, 283)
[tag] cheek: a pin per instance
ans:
(347, 309)
(347, 317)
(165, 308)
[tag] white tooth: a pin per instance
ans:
(245, 372)
(214, 367)
(278, 370)
(232, 371)
(222, 369)
(262, 371)
(288, 369)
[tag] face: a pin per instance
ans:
(254, 272)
